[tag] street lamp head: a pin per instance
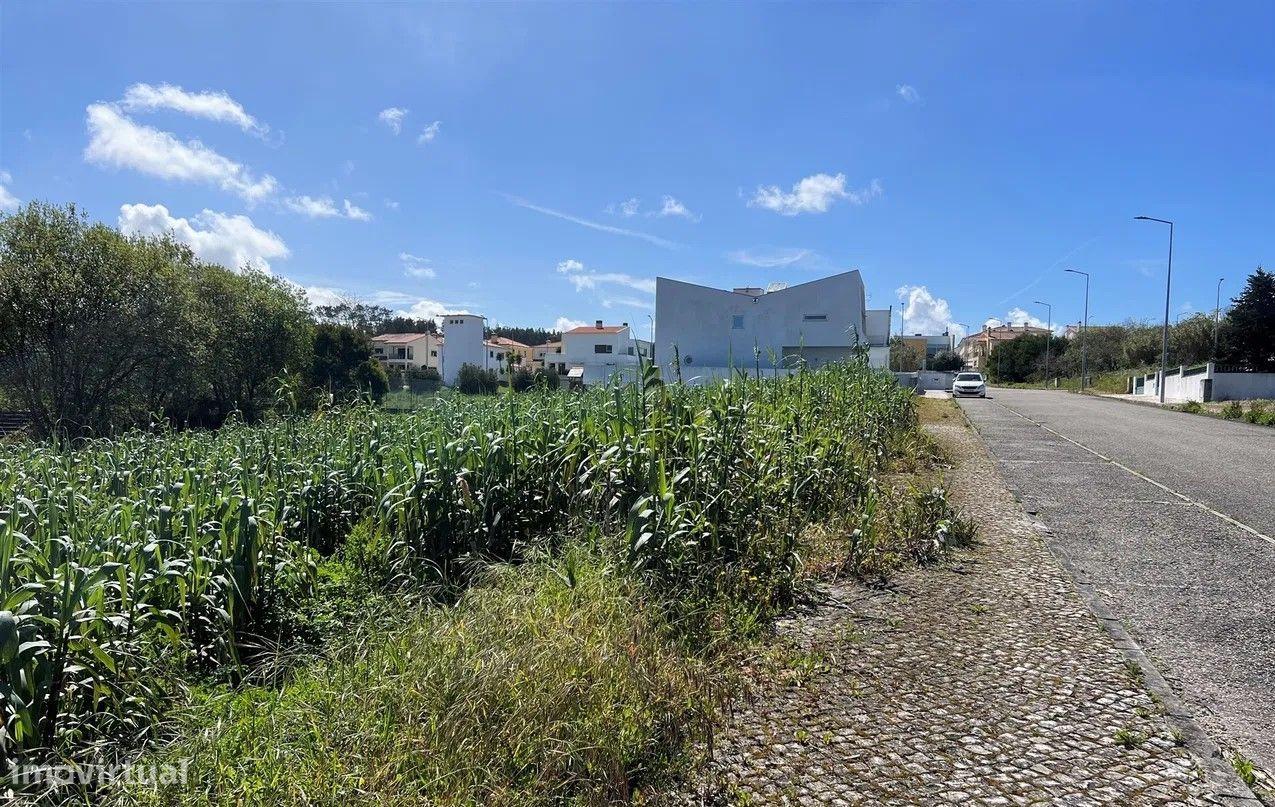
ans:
(1142, 218)
(1040, 302)
(1077, 272)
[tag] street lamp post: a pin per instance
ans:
(1217, 315)
(1049, 337)
(1168, 284)
(1084, 331)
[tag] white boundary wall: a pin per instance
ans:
(1206, 384)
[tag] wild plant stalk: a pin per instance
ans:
(121, 559)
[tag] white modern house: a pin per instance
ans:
(462, 344)
(597, 353)
(714, 330)
(408, 351)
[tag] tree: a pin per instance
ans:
(262, 331)
(528, 336)
(343, 365)
(904, 357)
(1251, 324)
(947, 361)
(87, 317)
(1023, 358)
(352, 312)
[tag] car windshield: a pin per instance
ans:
(969, 377)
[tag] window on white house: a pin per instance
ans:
(630, 351)
(737, 322)
(409, 353)
(815, 318)
(602, 348)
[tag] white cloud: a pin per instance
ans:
(673, 207)
(116, 141)
(908, 93)
(583, 278)
(629, 207)
(593, 225)
(8, 202)
(428, 134)
(215, 106)
(429, 309)
(628, 302)
(564, 324)
(814, 194)
(232, 241)
(770, 258)
(323, 207)
(924, 313)
(1019, 317)
(324, 295)
(355, 212)
(391, 204)
(393, 118)
(416, 266)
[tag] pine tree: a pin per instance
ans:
(1252, 323)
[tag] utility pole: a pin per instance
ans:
(1168, 285)
(1084, 331)
(1049, 337)
(1217, 315)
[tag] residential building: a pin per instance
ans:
(927, 346)
(549, 357)
(463, 344)
(408, 351)
(507, 345)
(598, 353)
(708, 331)
(977, 347)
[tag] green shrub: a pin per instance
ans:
(473, 380)
(522, 380)
(1233, 411)
(1194, 407)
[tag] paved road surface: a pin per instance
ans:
(1188, 563)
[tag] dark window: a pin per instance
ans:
(816, 318)
(737, 322)
(602, 348)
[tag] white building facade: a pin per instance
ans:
(408, 351)
(599, 353)
(462, 344)
(713, 330)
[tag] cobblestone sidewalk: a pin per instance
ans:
(985, 681)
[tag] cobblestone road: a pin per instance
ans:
(985, 681)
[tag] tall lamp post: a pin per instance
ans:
(1049, 337)
(1168, 284)
(1084, 331)
(1217, 315)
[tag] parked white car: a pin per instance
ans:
(969, 384)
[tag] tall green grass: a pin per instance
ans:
(130, 565)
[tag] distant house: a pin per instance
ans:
(597, 353)
(549, 357)
(707, 331)
(504, 346)
(975, 348)
(927, 346)
(408, 351)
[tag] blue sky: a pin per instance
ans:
(551, 159)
